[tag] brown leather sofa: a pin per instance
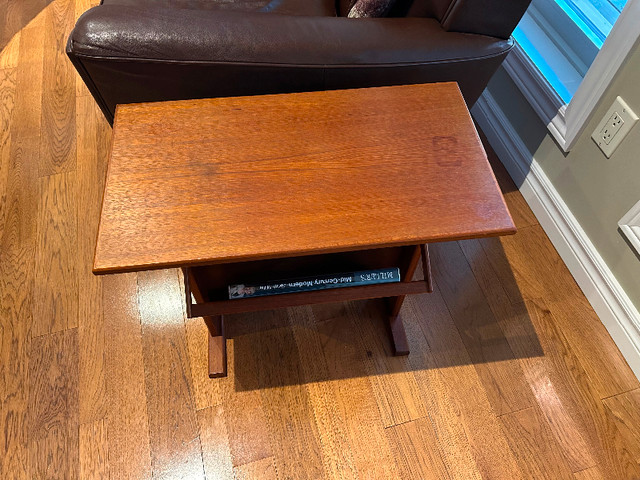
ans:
(147, 50)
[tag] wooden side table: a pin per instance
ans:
(248, 189)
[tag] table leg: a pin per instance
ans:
(217, 347)
(398, 334)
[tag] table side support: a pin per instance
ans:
(217, 351)
(217, 345)
(396, 327)
(426, 267)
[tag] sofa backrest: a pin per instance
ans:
(496, 18)
(420, 8)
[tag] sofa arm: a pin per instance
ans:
(129, 54)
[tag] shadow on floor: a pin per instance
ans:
(348, 340)
(15, 15)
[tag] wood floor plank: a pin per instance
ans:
(444, 413)
(4, 30)
(81, 6)
(128, 425)
(334, 443)
(608, 370)
(563, 389)
(538, 272)
(17, 251)
(243, 409)
(55, 305)
(29, 83)
(454, 391)
(173, 426)
(11, 20)
(93, 451)
(592, 473)
(18, 212)
(295, 441)
(21, 200)
(7, 103)
(53, 406)
(353, 392)
(216, 453)
(394, 385)
(206, 393)
(16, 15)
(90, 173)
(625, 408)
(417, 452)
(534, 445)
(534, 340)
(618, 457)
(576, 392)
(9, 54)
(58, 142)
(551, 380)
(501, 375)
(16, 270)
(259, 470)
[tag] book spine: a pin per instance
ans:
(321, 282)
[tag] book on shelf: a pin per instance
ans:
(318, 282)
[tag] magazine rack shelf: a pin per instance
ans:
(206, 289)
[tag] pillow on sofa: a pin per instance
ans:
(370, 8)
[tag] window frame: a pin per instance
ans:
(567, 121)
(630, 226)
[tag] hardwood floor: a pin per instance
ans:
(511, 374)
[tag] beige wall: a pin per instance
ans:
(599, 191)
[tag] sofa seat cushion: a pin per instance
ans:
(314, 8)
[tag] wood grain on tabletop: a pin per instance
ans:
(77, 389)
(174, 203)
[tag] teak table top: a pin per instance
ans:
(245, 178)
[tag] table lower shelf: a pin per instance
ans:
(199, 284)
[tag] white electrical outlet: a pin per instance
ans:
(615, 125)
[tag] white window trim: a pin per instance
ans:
(566, 122)
(630, 226)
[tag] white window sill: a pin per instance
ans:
(566, 122)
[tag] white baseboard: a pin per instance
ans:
(608, 299)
